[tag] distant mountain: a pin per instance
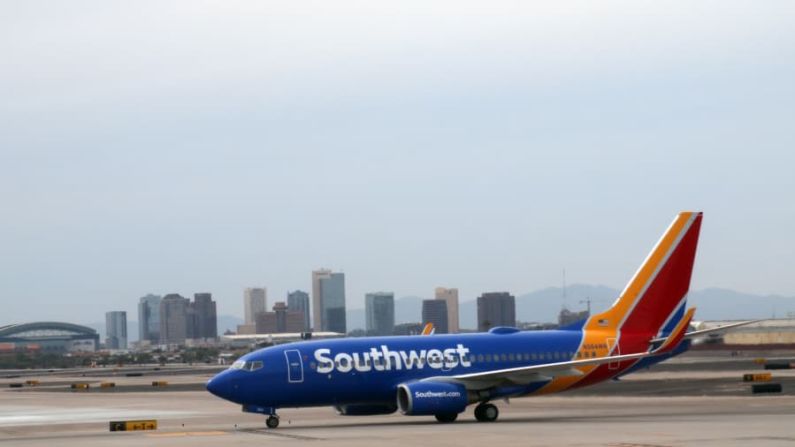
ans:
(544, 305)
(724, 304)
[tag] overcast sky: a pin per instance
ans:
(209, 146)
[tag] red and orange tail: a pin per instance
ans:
(659, 288)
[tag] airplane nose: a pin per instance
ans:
(220, 385)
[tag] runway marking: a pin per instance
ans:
(270, 432)
(186, 433)
(632, 444)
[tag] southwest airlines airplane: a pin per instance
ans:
(440, 375)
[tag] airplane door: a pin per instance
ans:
(295, 366)
(610, 343)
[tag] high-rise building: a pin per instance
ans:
(175, 324)
(255, 300)
(450, 296)
(298, 301)
(328, 301)
(280, 320)
(149, 318)
(332, 291)
(435, 311)
(205, 316)
(379, 308)
(317, 299)
(496, 309)
(116, 330)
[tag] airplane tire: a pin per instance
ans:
(446, 417)
(272, 421)
(486, 413)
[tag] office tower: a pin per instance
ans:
(265, 323)
(379, 308)
(328, 301)
(205, 316)
(281, 320)
(288, 320)
(332, 292)
(175, 324)
(298, 301)
(450, 296)
(317, 300)
(496, 309)
(255, 300)
(435, 311)
(149, 318)
(116, 330)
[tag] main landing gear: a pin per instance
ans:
(486, 412)
(272, 421)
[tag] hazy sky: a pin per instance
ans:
(208, 146)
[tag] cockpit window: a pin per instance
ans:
(238, 365)
(253, 366)
(247, 366)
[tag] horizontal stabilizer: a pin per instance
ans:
(716, 330)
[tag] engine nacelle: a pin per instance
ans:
(365, 409)
(430, 398)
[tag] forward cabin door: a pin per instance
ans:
(295, 366)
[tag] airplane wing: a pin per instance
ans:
(536, 373)
(716, 330)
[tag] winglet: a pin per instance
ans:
(428, 329)
(678, 334)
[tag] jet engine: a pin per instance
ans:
(431, 398)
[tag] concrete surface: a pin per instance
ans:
(692, 403)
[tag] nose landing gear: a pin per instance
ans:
(272, 421)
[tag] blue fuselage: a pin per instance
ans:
(369, 370)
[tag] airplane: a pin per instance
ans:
(441, 375)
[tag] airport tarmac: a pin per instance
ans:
(198, 419)
(688, 406)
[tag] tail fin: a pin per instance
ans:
(658, 289)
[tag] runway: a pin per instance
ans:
(648, 409)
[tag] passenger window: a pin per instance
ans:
(504, 357)
(480, 358)
(488, 357)
(511, 357)
(533, 355)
